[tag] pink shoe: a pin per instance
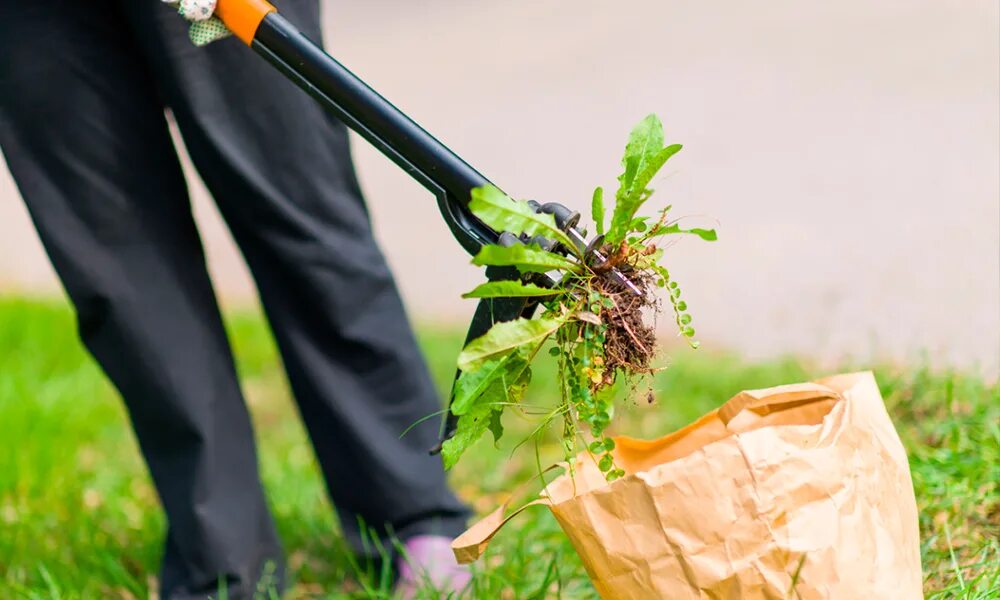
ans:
(428, 562)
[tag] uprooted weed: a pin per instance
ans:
(630, 338)
(596, 316)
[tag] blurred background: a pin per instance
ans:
(848, 153)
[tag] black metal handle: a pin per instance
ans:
(373, 117)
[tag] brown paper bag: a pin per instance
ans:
(798, 491)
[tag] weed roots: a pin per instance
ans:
(630, 342)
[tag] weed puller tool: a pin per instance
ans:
(451, 180)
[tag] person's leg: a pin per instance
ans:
(280, 170)
(84, 134)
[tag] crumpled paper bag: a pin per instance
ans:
(798, 491)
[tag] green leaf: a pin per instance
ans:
(653, 167)
(509, 289)
(474, 383)
(644, 157)
(499, 387)
(496, 426)
(708, 235)
(469, 429)
(502, 213)
(504, 337)
(638, 224)
(605, 463)
(632, 198)
(530, 258)
(597, 210)
(515, 382)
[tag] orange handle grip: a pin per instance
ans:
(243, 17)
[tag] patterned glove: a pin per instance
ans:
(205, 28)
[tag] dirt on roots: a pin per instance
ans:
(630, 342)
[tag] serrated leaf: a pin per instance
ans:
(470, 428)
(504, 337)
(597, 210)
(496, 425)
(502, 213)
(645, 140)
(530, 258)
(653, 167)
(509, 289)
(474, 383)
(484, 411)
(630, 199)
(645, 143)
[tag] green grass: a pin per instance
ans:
(79, 517)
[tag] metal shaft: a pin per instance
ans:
(394, 134)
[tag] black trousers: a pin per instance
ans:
(83, 87)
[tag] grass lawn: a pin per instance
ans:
(79, 517)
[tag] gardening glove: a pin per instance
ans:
(205, 27)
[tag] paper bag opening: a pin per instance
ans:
(798, 404)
